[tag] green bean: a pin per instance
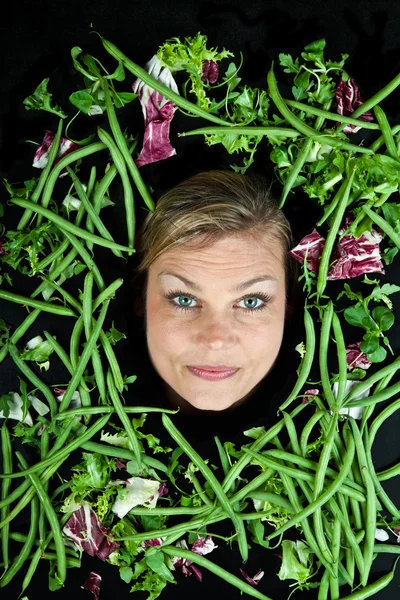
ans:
(389, 473)
(124, 453)
(291, 429)
(128, 193)
(341, 353)
(74, 342)
(377, 422)
(387, 548)
(319, 482)
(5, 487)
(376, 144)
(323, 587)
(305, 434)
(52, 519)
(130, 431)
(123, 148)
(378, 397)
(309, 535)
(113, 362)
(58, 168)
(331, 237)
(347, 489)
(257, 445)
(165, 510)
(383, 224)
(63, 356)
(200, 491)
(208, 564)
(330, 116)
(386, 132)
(243, 130)
(384, 498)
(44, 450)
(63, 437)
(63, 454)
(27, 547)
(21, 537)
(98, 223)
(370, 528)
(66, 295)
(92, 181)
(322, 498)
(334, 580)
(347, 532)
(212, 480)
(323, 353)
(34, 379)
(43, 176)
(45, 306)
(87, 311)
(299, 162)
(272, 499)
(376, 98)
(155, 84)
(108, 292)
(19, 332)
(366, 384)
(65, 225)
(222, 455)
(306, 361)
(301, 125)
(375, 587)
(84, 359)
(98, 410)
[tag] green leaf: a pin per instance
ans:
(295, 561)
(369, 344)
(357, 316)
(41, 99)
(378, 356)
(126, 574)
(384, 317)
(82, 100)
(156, 563)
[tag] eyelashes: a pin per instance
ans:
(171, 294)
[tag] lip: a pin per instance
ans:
(212, 374)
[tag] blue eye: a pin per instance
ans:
(185, 301)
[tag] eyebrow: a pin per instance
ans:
(237, 288)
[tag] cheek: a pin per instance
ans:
(162, 329)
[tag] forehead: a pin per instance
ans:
(231, 253)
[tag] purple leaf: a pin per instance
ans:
(203, 545)
(152, 542)
(2, 251)
(356, 358)
(85, 529)
(253, 580)
(41, 157)
(92, 584)
(158, 113)
(351, 257)
(162, 490)
(209, 71)
(348, 99)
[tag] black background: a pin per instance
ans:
(35, 42)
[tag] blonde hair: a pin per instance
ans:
(207, 207)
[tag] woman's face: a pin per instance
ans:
(215, 317)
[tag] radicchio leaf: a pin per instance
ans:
(351, 257)
(210, 71)
(85, 529)
(253, 580)
(158, 113)
(92, 584)
(356, 359)
(348, 99)
(41, 157)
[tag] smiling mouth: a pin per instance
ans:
(212, 375)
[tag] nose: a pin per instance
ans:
(216, 332)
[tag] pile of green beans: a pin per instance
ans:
(330, 490)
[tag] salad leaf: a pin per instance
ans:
(41, 99)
